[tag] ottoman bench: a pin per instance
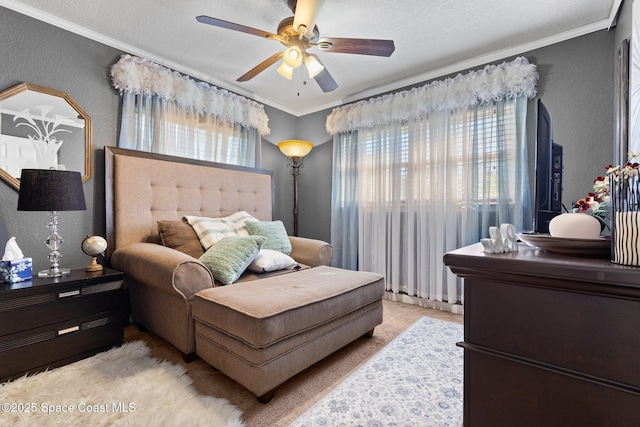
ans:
(263, 332)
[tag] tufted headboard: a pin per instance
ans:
(142, 188)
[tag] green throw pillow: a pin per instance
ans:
(274, 231)
(228, 258)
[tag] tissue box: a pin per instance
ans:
(15, 271)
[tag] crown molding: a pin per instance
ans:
(479, 61)
(373, 91)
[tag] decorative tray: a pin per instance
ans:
(564, 245)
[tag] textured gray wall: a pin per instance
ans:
(314, 184)
(576, 85)
(44, 55)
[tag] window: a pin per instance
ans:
(488, 138)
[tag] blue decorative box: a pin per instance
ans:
(18, 270)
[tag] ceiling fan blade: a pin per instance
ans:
(237, 27)
(326, 81)
(261, 67)
(305, 13)
(357, 46)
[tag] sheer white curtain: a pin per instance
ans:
(152, 124)
(410, 190)
(344, 201)
(165, 112)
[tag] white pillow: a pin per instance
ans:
(270, 260)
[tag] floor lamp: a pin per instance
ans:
(51, 190)
(295, 150)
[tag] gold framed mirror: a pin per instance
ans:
(42, 128)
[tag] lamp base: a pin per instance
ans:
(54, 273)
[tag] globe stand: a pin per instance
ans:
(93, 265)
(94, 246)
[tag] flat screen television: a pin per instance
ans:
(548, 185)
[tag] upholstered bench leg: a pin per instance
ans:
(266, 398)
(369, 334)
(190, 357)
(140, 327)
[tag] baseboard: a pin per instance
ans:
(423, 302)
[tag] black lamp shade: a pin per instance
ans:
(50, 190)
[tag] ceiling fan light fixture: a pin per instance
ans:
(313, 65)
(285, 70)
(302, 29)
(293, 56)
(305, 16)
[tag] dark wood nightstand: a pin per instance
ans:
(50, 322)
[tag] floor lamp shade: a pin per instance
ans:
(295, 150)
(51, 190)
(295, 147)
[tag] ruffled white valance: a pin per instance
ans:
(142, 76)
(493, 83)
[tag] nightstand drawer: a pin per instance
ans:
(60, 342)
(64, 303)
(49, 322)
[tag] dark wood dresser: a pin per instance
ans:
(49, 322)
(549, 339)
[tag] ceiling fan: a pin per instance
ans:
(299, 33)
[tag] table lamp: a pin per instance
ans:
(51, 190)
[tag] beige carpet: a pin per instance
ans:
(297, 395)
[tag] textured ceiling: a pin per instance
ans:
(432, 38)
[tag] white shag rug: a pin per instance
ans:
(124, 386)
(414, 381)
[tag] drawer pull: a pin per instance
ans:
(68, 330)
(69, 293)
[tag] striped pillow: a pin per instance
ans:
(212, 230)
(237, 222)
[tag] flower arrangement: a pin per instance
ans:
(597, 202)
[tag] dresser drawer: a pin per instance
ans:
(588, 334)
(503, 392)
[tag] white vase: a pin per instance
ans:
(575, 226)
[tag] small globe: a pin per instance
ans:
(94, 245)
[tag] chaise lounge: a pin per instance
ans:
(265, 327)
